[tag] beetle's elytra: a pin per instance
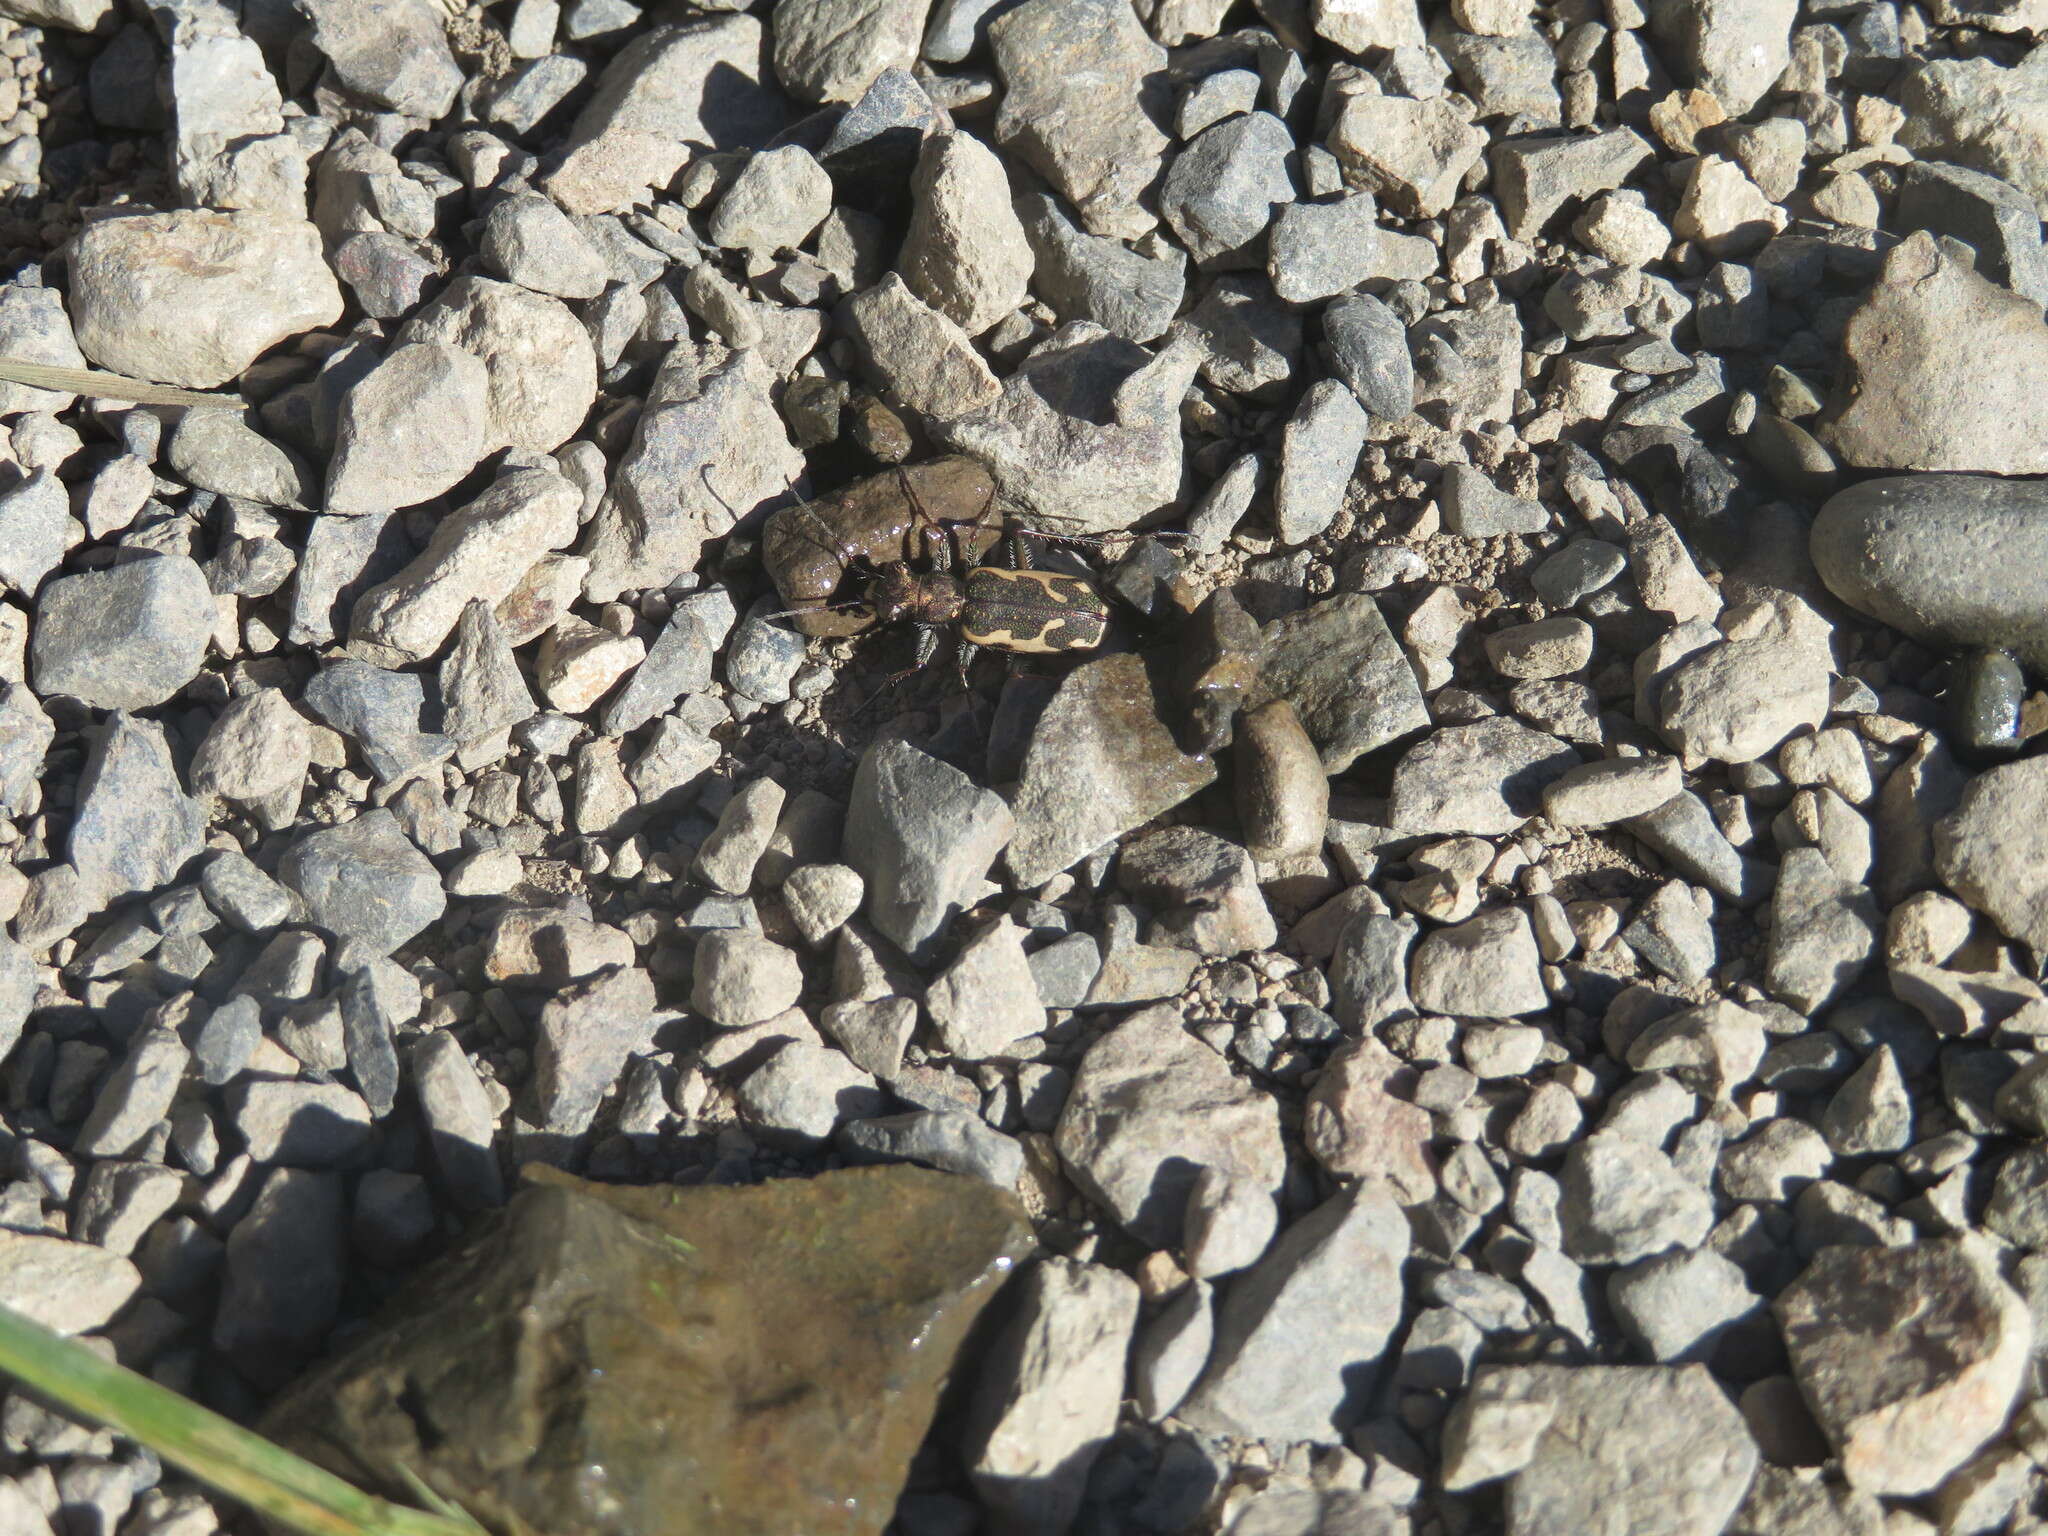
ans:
(1031, 612)
(885, 524)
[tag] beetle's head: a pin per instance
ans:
(927, 597)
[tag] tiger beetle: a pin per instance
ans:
(1015, 609)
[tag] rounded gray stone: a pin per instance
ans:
(1957, 560)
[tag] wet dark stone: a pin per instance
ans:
(1987, 698)
(737, 1361)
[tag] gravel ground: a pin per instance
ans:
(1510, 985)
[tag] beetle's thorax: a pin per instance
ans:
(930, 597)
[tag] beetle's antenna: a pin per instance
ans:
(704, 474)
(1099, 540)
(791, 613)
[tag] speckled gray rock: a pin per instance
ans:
(922, 835)
(481, 551)
(284, 1274)
(459, 1121)
(950, 1140)
(1485, 967)
(702, 81)
(35, 520)
(1152, 1107)
(965, 253)
(1735, 49)
(1314, 250)
(1369, 346)
(1072, 71)
(1624, 1201)
(1651, 1447)
(193, 296)
(307, 1125)
(1088, 277)
(482, 688)
(740, 978)
(1484, 779)
(832, 50)
(585, 1034)
(1983, 114)
(135, 1096)
(1346, 675)
(395, 54)
(1047, 1398)
(65, 1286)
(365, 880)
(719, 426)
(135, 827)
(1101, 762)
(35, 329)
(381, 711)
(1220, 193)
(987, 999)
(1677, 1305)
(540, 366)
(222, 451)
(1475, 508)
(1319, 449)
(1910, 399)
(1299, 1335)
(1084, 436)
(805, 1090)
(1992, 850)
(126, 637)
(527, 240)
(409, 429)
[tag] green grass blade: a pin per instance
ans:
(221, 1454)
(107, 386)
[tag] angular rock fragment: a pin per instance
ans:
(1101, 762)
(1073, 72)
(1299, 1336)
(192, 297)
(126, 637)
(1150, 1111)
(1909, 1357)
(1910, 399)
(759, 1323)
(1658, 1447)
(478, 553)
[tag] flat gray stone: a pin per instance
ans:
(126, 637)
(365, 880)
(135, 828)
(1655, 1448)
(1101, 761)
(1299, 1337)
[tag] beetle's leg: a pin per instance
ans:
(927, 647)
(963, 658)
(939, 547)
(1020, 552)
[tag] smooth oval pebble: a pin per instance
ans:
(1960, 560)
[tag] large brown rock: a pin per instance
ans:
(731, 1361)
(1909, 1357)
